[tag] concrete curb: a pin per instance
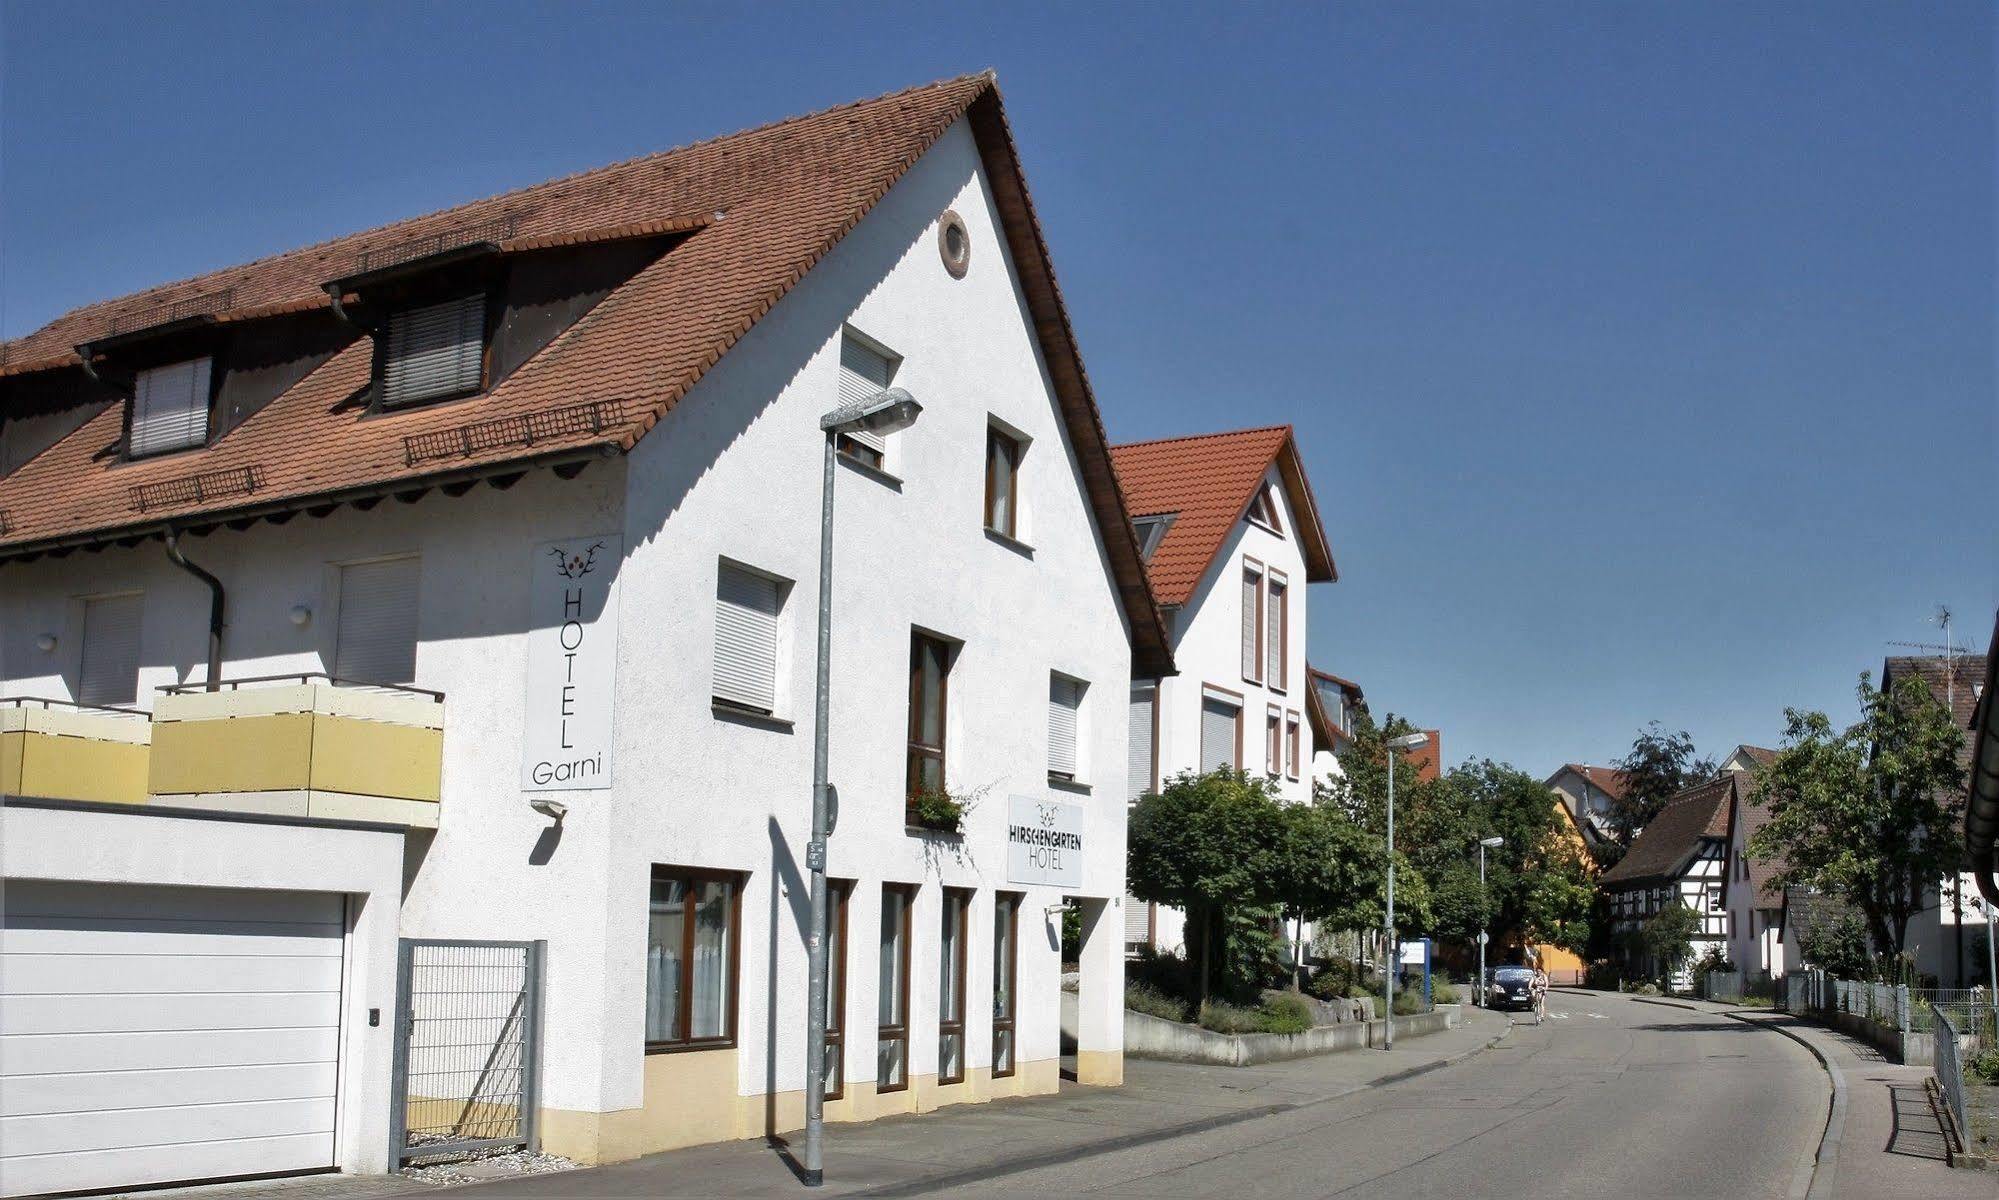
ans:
(1813, 1180)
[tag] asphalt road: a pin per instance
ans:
(1610, 1098)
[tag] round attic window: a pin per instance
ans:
(954, 243)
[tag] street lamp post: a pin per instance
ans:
(1484, 844)
(1408, 741)
(882, 413)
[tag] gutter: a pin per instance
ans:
(215, 607)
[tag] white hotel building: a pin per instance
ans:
(521, 503)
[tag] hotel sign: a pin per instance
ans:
(572, 664)
(1044, 842)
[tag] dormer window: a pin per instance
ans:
(1151, 531)
(1263, 509)
(170, 408)
(434, 352)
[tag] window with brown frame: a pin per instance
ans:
(1252, 621)
(1006, 963)
(692, 958)
(1002, 482)
(1263, 509)
(1293, 738)
(929, 672)
(839, 892)
(892, 993)
(1273, 741)
(951, 951)
(434, 351)
(1277, 633)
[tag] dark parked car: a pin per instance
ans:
(1510, 987)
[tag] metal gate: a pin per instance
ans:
(468, 1048)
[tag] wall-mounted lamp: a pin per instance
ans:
(552, 809)
(300, 615)
(46, 643)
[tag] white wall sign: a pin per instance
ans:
(1044, 842)
(572, 664)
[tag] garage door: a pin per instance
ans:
(157, 1034)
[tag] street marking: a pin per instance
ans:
(1558, 1016)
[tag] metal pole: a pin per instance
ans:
(1481, 923)
(1992, 967)
(815, 850)
(1391, 957)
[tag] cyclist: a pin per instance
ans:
(1539, 988)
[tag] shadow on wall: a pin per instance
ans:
(788, 889)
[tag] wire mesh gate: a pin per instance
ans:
(468, 1047)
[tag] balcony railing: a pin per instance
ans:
(65, 750)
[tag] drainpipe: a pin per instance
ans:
(214, 608)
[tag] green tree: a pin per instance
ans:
(1220, 847)
(1837, 946)
(1870, 814)
(1669, 937)
(1659, 764)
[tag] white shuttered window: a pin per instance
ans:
(864, 371)
(746, 607)
(1218, 732)
(1144, 699)
(1065, 703)
(109, 673)
(170, 408)
(434, 351)
(1275, 632)
(1137, 921)
(1252, 624)
(377, 635)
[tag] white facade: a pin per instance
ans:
(732, 475)
(1209, 634)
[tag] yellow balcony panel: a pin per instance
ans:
(302, 747)
(70, 752)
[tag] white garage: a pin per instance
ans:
(157, 1026)
(150, 1034)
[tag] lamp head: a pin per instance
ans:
(1409, 741)
(887, 411)
(1492, 843)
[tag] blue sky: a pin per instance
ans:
(1642, 355)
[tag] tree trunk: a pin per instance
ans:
(1197, 919)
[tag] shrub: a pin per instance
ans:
(1287, 1013)
(1168, 974)
(1984, 1067)
(1408, 1004)
(1153, 1003)
(1223, 1017)
(1444, 993)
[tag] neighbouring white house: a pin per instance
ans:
(1756, 943)
(456, 581)
(1331, 705)
(1232, 541)
(1589, 793)
(1679, 858)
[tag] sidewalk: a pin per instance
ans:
(905, 1155)
(1885, 1141)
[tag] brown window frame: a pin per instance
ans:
(1278, 639)
(735, 880)
(918, 751)
(1006, 1022)
(848, 446)
(1228, 696)
(493, 307)
(840, 892)
(898, 1033)
(948, 1024)
(1273, 740)
(1001, 445)
(1294, 733)
(1263, 510)
(1250, 567)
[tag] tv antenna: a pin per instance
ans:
(1951, 653)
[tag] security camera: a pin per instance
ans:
(553, 809)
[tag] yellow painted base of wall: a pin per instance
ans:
(1100, 1068)
(58, 767)
(691, 1100)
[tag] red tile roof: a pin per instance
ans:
(1208, 481)
(765, 206)
(1663, 847)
